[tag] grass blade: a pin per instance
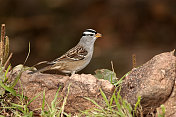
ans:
(61, 112)
(120, 81)
(27, 54)
(136, 105)
(33, 99)
(16, 79)
(43, 101)
(11, 90)
(6, 73)
(104, 97)
(94, 103)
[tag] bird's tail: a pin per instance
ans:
(42, 69)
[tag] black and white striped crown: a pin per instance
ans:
(89, 32)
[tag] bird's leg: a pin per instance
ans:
(72, 73)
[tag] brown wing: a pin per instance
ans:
(74, 54)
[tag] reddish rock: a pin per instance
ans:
(81, 86)
(153, 81)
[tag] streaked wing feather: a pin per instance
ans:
(74, 54)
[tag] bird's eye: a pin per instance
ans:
(87, 35)
(90, 34)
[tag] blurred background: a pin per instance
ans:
(141, 27)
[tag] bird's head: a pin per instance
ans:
(89, 36)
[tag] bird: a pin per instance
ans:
(77, 58)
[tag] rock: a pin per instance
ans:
(153, 81)
(81, 86)
(170, 105)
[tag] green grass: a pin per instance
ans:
(163, 111)
(114, 107)
(54, 110)
(20, 108)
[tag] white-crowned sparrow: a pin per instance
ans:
(76, 58)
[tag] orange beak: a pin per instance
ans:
(98, 35)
